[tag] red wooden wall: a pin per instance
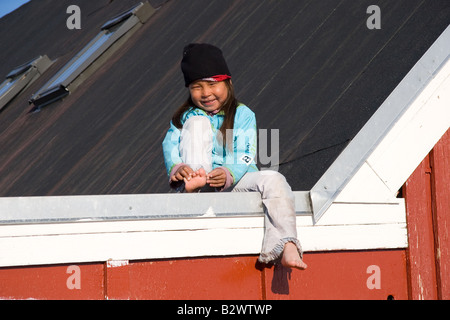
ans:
(333, 275)
(427, 194)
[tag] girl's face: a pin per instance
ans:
(208, 95)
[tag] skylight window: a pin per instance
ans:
(64, 81)
(21, 77)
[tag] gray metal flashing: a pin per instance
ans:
(21, 77)
(142, 11)
(110, 33)
(334, 180)
(59, 209)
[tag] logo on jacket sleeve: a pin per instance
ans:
(246, 159)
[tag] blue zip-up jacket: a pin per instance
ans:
(238, 162)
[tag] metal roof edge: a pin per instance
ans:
(61, 209)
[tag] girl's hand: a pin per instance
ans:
(183, 172)
(216, 178)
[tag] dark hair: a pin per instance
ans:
(229, 108)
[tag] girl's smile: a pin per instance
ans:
(208, 103)
(208, 95)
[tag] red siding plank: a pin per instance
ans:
(428, 215)
(81, 282)
(117, 278)
(342, 275)
(440, 162)
(423, 285)
(188, 279)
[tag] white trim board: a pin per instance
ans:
(405, 128)
(357, 226)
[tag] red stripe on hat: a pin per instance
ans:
(218, 78)
(221, 77)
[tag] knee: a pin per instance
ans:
(197, 127)
(272, 176)
(197, 122)
(275, 184)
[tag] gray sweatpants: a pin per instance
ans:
(277, 197)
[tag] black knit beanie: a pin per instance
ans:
(202, 60)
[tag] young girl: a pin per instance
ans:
(211, 144)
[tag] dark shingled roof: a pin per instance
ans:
(311, 69)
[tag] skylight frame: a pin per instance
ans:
(21, 77)
(58, 86)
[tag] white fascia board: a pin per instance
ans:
(415, 134)
(356, 226)
(386, 151)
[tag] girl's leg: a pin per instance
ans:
(280, 237)
(196, 144)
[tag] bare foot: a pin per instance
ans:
(291, 257)
(196, 181)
